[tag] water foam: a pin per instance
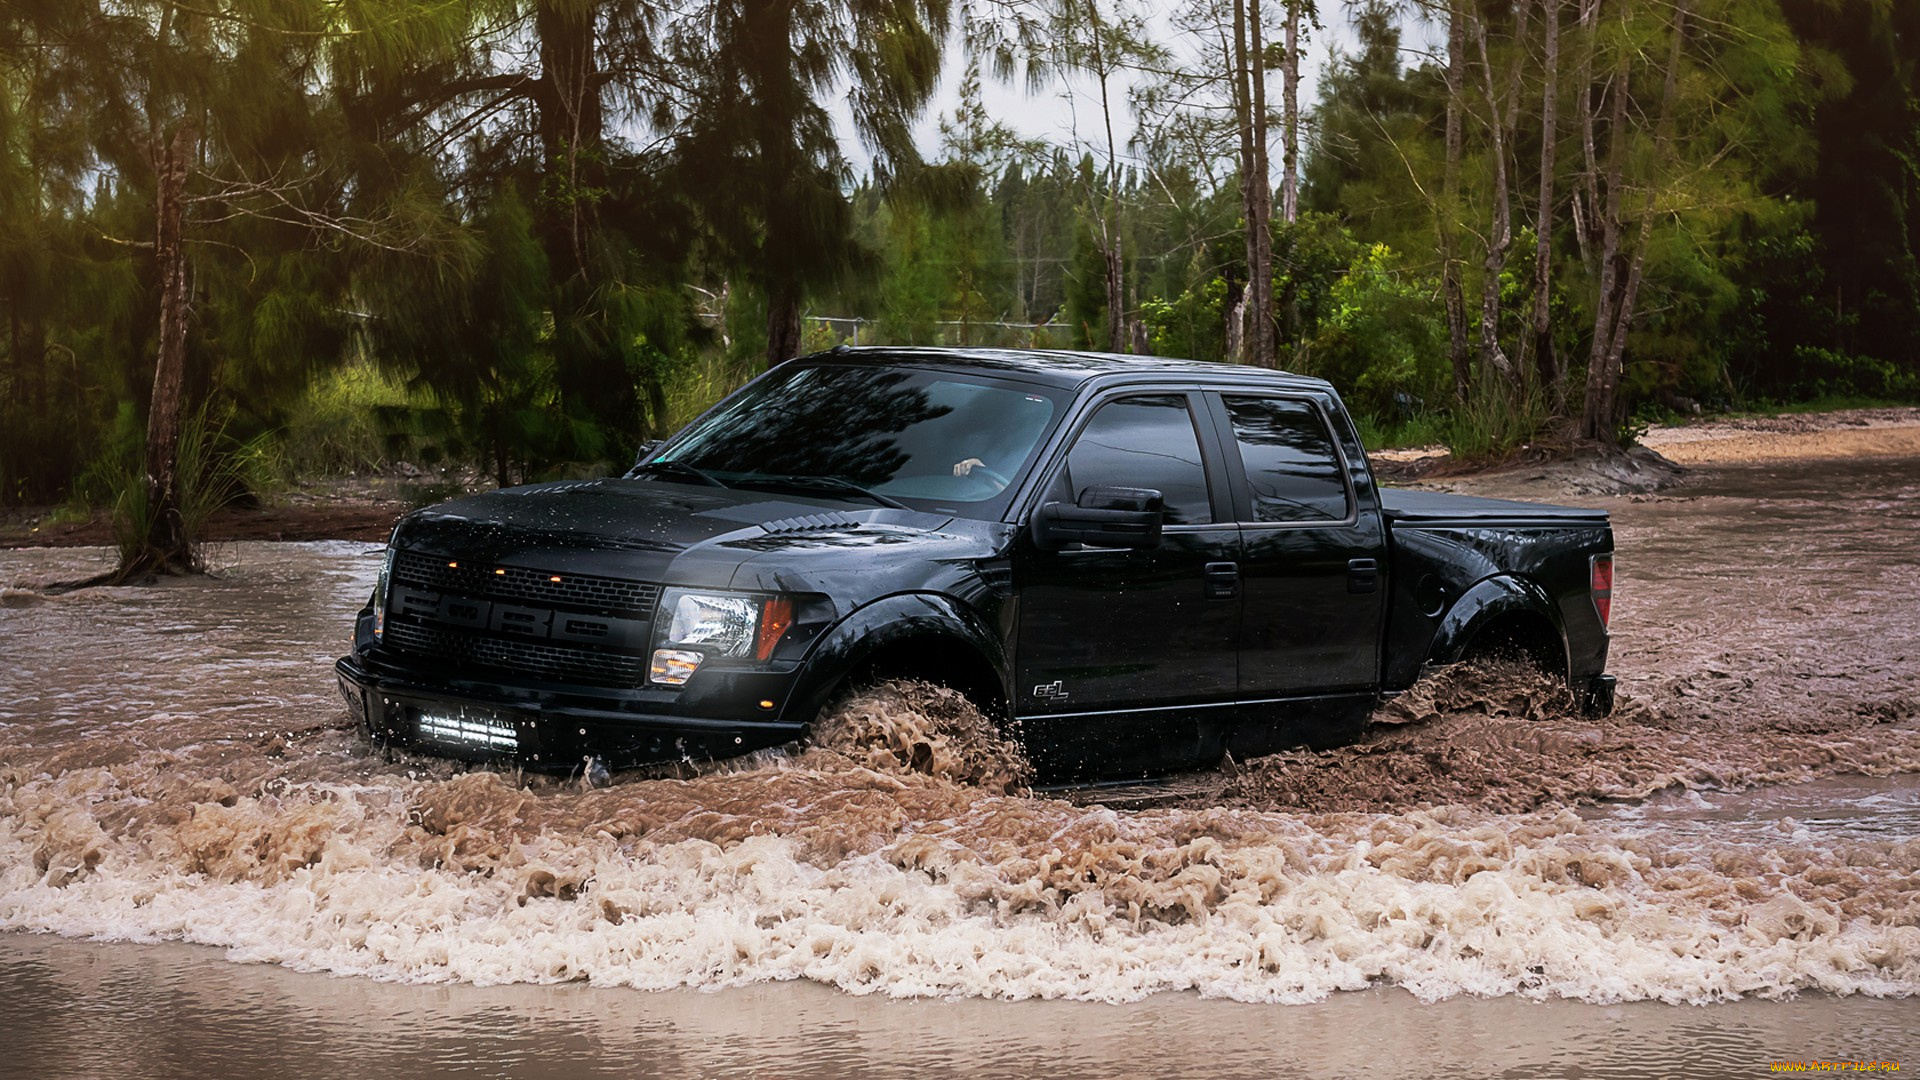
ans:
(909, 885)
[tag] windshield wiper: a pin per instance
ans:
(825, 483)
(680, 468)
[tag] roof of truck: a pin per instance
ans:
(1068, 369)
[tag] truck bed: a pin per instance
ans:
(1458, 559)
(1436, 507)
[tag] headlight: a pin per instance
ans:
(717, 624)
(724, 624)
(380, 593)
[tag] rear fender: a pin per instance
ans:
(928, 620)
(1488, 600)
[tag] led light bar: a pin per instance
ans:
(468, 731)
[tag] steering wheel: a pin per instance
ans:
(999, 478)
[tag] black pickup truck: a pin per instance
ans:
(1134, 564)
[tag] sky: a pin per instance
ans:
(1067, 104)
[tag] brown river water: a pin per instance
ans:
(1724, 874)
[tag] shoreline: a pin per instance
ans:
(363, 509)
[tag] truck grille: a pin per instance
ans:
(581, 591)
(539, 660)
(520, 621)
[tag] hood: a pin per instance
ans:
(636, 528)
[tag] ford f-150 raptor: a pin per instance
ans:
(1134, 565)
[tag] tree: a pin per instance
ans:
(757, 147)
(1447, 211)
(174, 92)
(1865, 185)
(1250, 100)
(1546, 358)
(1503, 117)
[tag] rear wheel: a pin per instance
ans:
(1525, 638)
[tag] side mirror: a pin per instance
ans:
(1106, 517)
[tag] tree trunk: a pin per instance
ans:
(168, 547)
(571, 128)
(1260, 325)
(1503, 117)
(1110, 214)
(1546, 362)
(1621, 274)
(1237, 299)
(659, 424)
(1290, 119)
(1586, 224)
(13, 351)
(1452, 292)
(1235, 319)
(783, 325)
(589, 357)
(1290, 175)
(1596, 421)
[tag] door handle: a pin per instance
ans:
(1363, 575)
(1223, 580)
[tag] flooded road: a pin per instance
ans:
(1488, 881)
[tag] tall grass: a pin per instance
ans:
(336, 428)
(1496, 418)
(1420, 429)
(694, 386)
(213, 470)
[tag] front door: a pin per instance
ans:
(1120, 652)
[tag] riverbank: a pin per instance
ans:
(325, 508)
(1662, 455)
(365, 507)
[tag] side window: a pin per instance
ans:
(1144, 442)
(1291, 466)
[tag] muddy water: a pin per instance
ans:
(174, 767)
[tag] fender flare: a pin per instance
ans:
(1489, 599)
(859, 637)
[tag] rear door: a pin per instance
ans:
(1313, 560)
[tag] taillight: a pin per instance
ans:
(1601, 584)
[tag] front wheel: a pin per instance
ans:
(914, 726)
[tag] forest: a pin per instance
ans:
(247, 239)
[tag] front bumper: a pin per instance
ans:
(546, 736)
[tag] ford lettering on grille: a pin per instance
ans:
(561, 627)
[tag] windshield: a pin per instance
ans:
(954, 441)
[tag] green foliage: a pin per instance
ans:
(1383, 338)
(334, 427)
(1401, 432)
(407, 242)
(1191, 324)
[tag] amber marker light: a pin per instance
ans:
(775, 618)
(500, 571)
(555, 579)
(453, 566)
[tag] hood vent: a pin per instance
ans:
(811, 523)
(568, 487)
